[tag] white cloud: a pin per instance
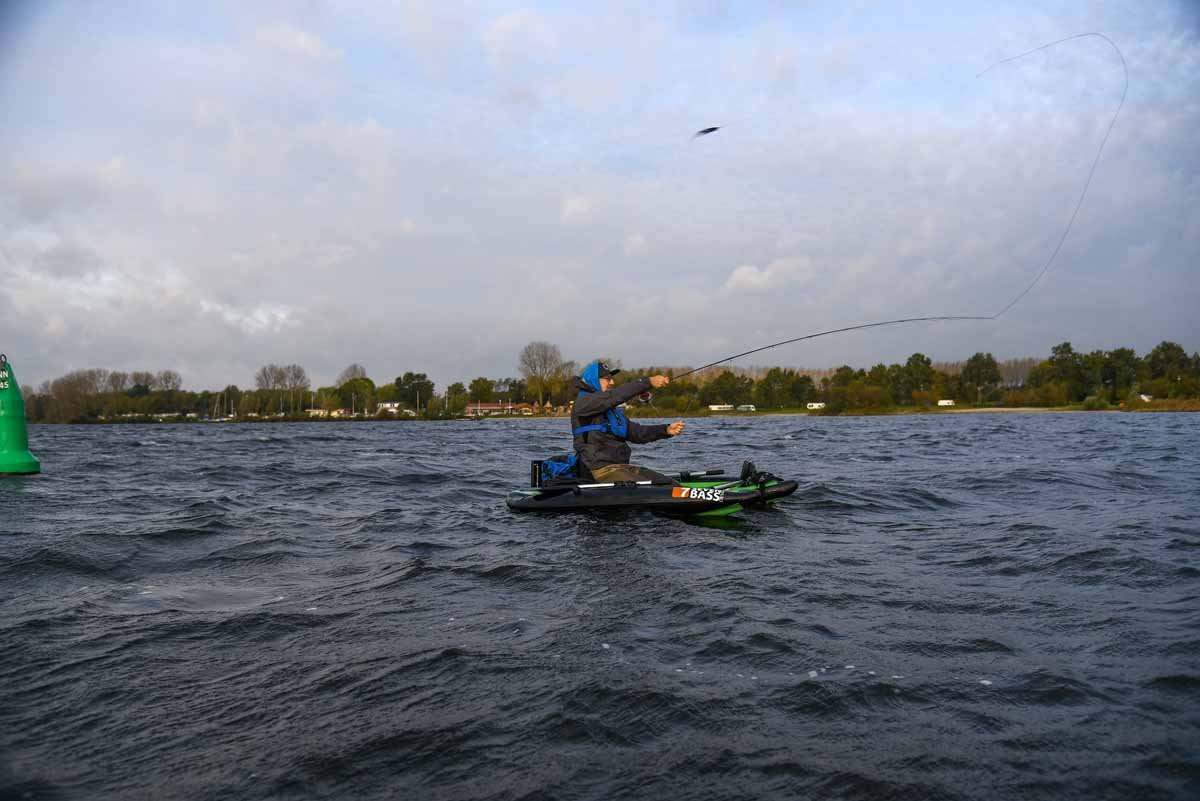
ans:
(636, 245)
(778, 274)
(288, 38)
(111, 171)
(575, 208)
(519, 38)
(264, 318)
(56, 326)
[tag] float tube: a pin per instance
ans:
(704, 493)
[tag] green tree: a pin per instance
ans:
(879, 376)
(918, 375)
(434, 407)
(681, 395)
(456, 398)
(981, 373)
(897, 384)
(482, 390)
(951, 385)
(728, 387)
(230, 397)
(414, 389)
(771, 391)
(802, 390)
(1099, 373)
(1125, 368)
(859, 394)
(1170, 361)
(843, 376)
(1067, 368)
(512, 389)
(357, 394)
(1041, 373)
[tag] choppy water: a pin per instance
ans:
(964, 606)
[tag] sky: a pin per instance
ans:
(430, 186)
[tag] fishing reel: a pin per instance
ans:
(645, 397)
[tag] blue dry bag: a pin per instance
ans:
(557, 468)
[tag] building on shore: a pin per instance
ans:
(488, 409)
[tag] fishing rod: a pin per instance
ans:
(827, 333)
(1045, 268)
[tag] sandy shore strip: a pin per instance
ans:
(1006, 410)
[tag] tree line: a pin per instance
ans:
(1096, 379)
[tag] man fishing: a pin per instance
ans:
(601, 429)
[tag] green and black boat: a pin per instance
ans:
(707, 493)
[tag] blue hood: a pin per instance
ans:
(591, 375)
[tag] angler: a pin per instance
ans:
(601, 430)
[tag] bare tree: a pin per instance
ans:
(350, 373)
(118, 381)
(295, 377)
(538, 363)
(168, 380)
(270, 376)
(1015, 372)
(142, 378)
(94, 380)
(75, 395)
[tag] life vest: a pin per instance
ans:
(614, 423)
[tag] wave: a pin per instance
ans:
(1016, 587)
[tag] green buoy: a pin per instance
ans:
(14, 437)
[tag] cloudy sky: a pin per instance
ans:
(430, 186)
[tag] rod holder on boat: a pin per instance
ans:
(688, 475)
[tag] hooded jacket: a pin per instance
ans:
(598, 449)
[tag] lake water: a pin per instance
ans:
(951, 606)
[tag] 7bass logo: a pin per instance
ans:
(698, 493)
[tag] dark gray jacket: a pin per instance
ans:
(598, 449)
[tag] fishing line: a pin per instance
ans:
(1045, 268)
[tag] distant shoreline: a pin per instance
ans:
(1153, 406)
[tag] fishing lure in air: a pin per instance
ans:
(1045, 268)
